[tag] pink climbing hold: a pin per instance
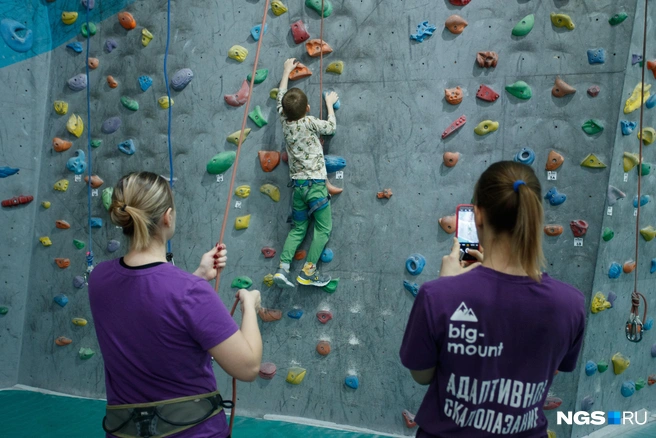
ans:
(551, 403)
(594, 90)
(409, 418)
(284, 157)
(579, 227)
(324, 316)
(267, 370)
(459, 2)
(486, 93)
(268, 252)
(239, 98)
(454, 126)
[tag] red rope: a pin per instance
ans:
(321, 66)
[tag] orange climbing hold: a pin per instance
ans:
(61, 145)
(299, 72)
(112, 82)
(96, 181)
(386, 193)
(651, 379)
(269, 315)
(629, 266)
(453, 95)
(269, 160)
(315, 47)
(450, 158)
(62, 341)
(323, 348)
(300, 254)
(409, 419)
(554, 161)
(93, 63)
(651, 65)
(455, 24)
(63, 263)
(553, 230)
(332, 189)
(62, 225)
(562, 88)
(127, 20)
(448, 223)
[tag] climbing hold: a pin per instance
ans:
(299, 72)
(60, 145)
(323, 348)
(520, 90)
(327, 255)
(456, 3)
(268, 252)
(607, 234)
(424, 29)
(242, 222)
(164, 102)
(593, 162)
(602, 366)
(111, 82)
(61, 185)
(651, 65)
(562, 20)
(95, 222)
(278, 8)
(69, 17)
(617, 18)
(450, 159)
(61, 107)
(256, 30)
(127, 20)
(648, 323)
(635, 100)
(107, 197)
(317, 5)
(10, 30)
(599, 304)
(615, 270)
(336, 67)
(448, 224)
(487, 59)
(300, 254)
(129, 103)
(238, 53)
(628, 388)
(269, 315)
(562, 88)
(415, 264)
(241, 282)
(145, 82)
(579, 227)
(409, 418)
(630, 160)
(61, 300)
(243, 191)
(45, 241)
(316, 47)
(77, 164)
(592, 127)
(267, 370)
(295, 375)
(653, 350)
(113, 246)
(221, 162)
(111, 125)
(590, 368)
(628, 127)
(324, 316)
(260, 75)
(295, 313)
(268, 160)
(588, 401)
(596, 56)
(352, 382)
(486, 127)
(79, 321)
(639, 384)
(553, 230)
(524, 26)
(332, 286)
(127, 147)
(636, 59)
(234, 137)
(146, 37)
(331, 188)
(6, 171)
(455, 125)
(257, 117)
(62, 341)
(268, 280)
(453, 95)
(554, 197)
(62, 224)
(629, 266)
(551, 403)
(455, 24)
(85, 353)
(594, 90)
(75, 125)
(273, 94)
(651, 379)
(4, 310)
(413, 288)
(525, 156)
(486, 93)
(272, 191)
(386, 193)
(62, 262)
(648, 233)
(88, 30)
(648, 134)
(78, 82)
(334, 163)
(181, 79)
(239, 98)
(96, 143)
(554, 161)
(86, 3)
(611, 298)
(299, 32)
(76, 47)
(110, 45)
(644, 169)
(644, 200)
(79, 245)
(17, 200)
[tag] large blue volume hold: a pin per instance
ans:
(415, 264)
(9, 31)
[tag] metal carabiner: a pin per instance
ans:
(634, 329)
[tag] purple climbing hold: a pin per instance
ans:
(653, 350)
(181, 79)
(635, 59)
(110, 45)
(587, 402)
(76, 47)
(612, 296)
(9, 30)
(78, 82)
(113, 245)
(145, 82)
(111, 125)
(92, 4)
(127, 147)
(61, 299)
(79, 281)
(78, 163)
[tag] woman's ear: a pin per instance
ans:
(167, 219)
(479, 216)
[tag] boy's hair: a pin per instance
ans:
(294, 104)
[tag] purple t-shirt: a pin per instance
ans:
(154, 327)
(495, 341)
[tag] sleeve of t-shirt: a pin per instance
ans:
(281, 94)
(323, 127)
(207, 319)
(568, 364)
(419, 346)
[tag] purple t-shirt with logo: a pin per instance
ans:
(155, 324)
(495, 341)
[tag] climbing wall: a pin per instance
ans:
(392, 116)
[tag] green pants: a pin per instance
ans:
(323, 224)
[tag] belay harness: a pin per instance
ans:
(162, 418)
(316, 205)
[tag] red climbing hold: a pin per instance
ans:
(267, 370)
(551, 403)
(17, 200)
(454, 126)
(486, 93)
(651, 379)
(459, 2)
(284, 156)
(594, 90)
(407, 416)
(268, 252)
(299, 32)
(386, 193)
(651, 65)
(239, 98)
(324, 316)
(323, 348)
(579, 227)
(300, 254)
(269, 160)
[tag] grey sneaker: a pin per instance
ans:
(281, 279)
(315, 279)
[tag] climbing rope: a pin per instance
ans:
(321, 66)
(169, 253)
(90, 251)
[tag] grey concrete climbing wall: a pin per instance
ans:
(393, 112)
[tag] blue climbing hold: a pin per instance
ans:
(612, 296)
(76, 47)
(61, 299)
(587, 402)
(648, 324)
(95, 222)
(127, 147)
(644, 199)
(590, 368)
(653, 266)
(181, 79)
(635, 59)
(627, 127)
(423, 30)
(415, 264)
(554, 197)
(145, 82)
(615, 270)
(628, 388)
(352, 382)
(110, 45)
(651, 101)
(327, 255)
(78, 163)
(336, 105)
(413, 288)
(295, 313)
(255, 31)
(9, 30)
(525, 156)
(8, 171)
(334, 163)
(596, 56)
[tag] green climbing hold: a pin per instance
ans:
(602, 366)
(234, 137)
(86, 353)
(107, 197)
(257, 117)
(592, 127)
(4, 310)
(260, 75)
(524, 26)
(129, 103)
(91, 31)
(242, 282)
(607, 234)
(639, 384)
(96, 143)
(520, 90)
(78, 244)
(644, 169)
(315, 5)
(221, 162)
(617, 18)
(332, 286)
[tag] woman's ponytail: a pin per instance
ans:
(527, 235)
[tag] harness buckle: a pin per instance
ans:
(145, 421)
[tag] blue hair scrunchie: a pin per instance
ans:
(516, 185)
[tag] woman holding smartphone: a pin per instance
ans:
(488, 338)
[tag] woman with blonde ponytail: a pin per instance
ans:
(488, 338)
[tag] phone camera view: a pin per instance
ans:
(467, 227)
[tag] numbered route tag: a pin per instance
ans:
(578, 241)
(78, 178)
(219, 178)
(94, 192)
(237, 204)
(609, 211)
(339, 174)
(552, 176)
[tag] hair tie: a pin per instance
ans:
(123, 208)
(516, 185)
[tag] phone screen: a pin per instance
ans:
(467, 235)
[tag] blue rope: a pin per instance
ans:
(90, 252)
(168, 94)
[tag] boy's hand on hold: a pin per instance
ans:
(331, 98)
(289, 65)
(451, 264)
(212, 262)
(248, 299)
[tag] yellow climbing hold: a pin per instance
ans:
(648, 135)
(486, 126)
(335, 67)
(242, 222)
(45, 204)
(592, 161)
(562, 20)
(295, 375)
(61, 107)
(238, 53)
(61, 185)
(243, 191)
(69, 17)
(79, 321)
(45, 241)
(273, 94)
(234, 137)
(648, 233)
(75, 125)
(164, 102)
(278, 8)
(630, 161)
(599, 303)
(268, 280)
(551, 434)
(146, 37)
(620, 363)
(272, 191)
(633, 102)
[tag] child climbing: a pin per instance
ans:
(307, 170)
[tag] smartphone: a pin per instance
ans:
(466, 231)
